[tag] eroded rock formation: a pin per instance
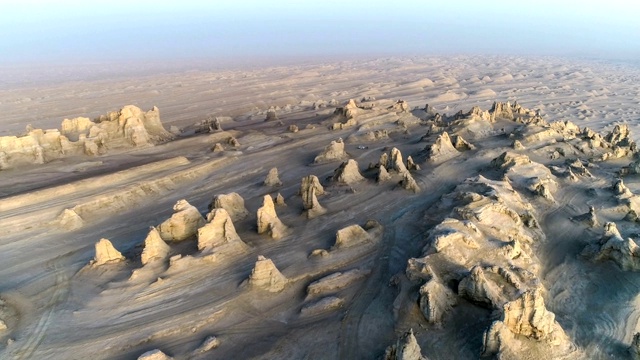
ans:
(233, 203)
(183, 224)
(268, 221)
(106, 253)
(265, 276)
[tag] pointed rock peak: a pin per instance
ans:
(308, 183)
(411, 165)
(396, 161)
(350, 236)
(280, 200)
(316, 209)
(383, 174)
(409, 183)
(106, 253)
(266, 276)
(154, 247)
(268, 221)
(333, 151)
(272, 178)
(348, 173)
(218, 231)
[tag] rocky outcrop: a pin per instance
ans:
(210, 343)
(309, 188)
(442, 149)
(183, 224)
(509, 159)
(154, 355)
(396, 161)
(332, 152)
(400, 106)
(634, 349)
(383, 174)
(612, 246)
(323, 305)
(409, 183)
(348, 173)
(268, 221)
(501, 110)
(517, 145)
(272, 178)
(293, 128)
(154, 247)
(218, 231)
(620, 189)
(478, 289)
(335, 282)
(233, 203)
(406, 348)
(265, 276)
(217, 148)
(279, 200)
(350, 236)
(69, 220)
(435, 301)
(590, 218)
(315, 209)
(271, 115)
(106, 253)
(411, 165)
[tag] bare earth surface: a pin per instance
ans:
(480, 253)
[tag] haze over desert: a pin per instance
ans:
(320, 187)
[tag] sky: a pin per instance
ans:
(45, 31)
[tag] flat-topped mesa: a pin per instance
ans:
(218, 231)
(138, 127)
(332, 152)
(268, 221)
(233, 203)
(405, 348)
(183, 224)
(154, 247)
(309, 188)
(348, 173)
(154, 355)
(106, 253)
(266, 276)
(272, 178)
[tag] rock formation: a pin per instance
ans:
(69, 220)
(154, 355)
(183, 224)
(412, 165)
(396, 161)
(310, 187)
(400, 106)
(348, 173)
(315, 209)
(409, 183)
(501, 110)
(279, 200)
(218, 231)
(634, 349)
(210, 343)
(435, 300)
(272, 178)
(233, 203)
(154, 247)
(218, 148)
(332, 152)
(350, 236)
(383, 175)
(265, 276)
(335, 282)
(509, 159)
(106, 253)
(477, 288)
(323, 305)
(271, 115)
(406, 348)
(442, 148)
(233, 142)
(293, 128)
(517, 145)
(268, 221)
(588, 218)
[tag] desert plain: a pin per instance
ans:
(455, 207)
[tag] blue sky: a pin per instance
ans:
(117, 30)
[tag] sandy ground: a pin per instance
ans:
(57, 308)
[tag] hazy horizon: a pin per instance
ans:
(248, 31)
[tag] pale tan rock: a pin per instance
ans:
(620, 189)
(76, 126)
(624, 252)
(183, 224)
(154, 247)
(383, 175)
(409, 183)
(271, 115)
(307, 184)
(280, 200)
(323, 305)
(509, 159)
(272, 178)
(442, 148)
(210, 343)
(336, 282)
(106, 253)
(154, 355)
(405, 348)
(634, 349)
(293, 128)
(268, 221)
(477, 288)
(528, 316)
(266, 276)
(436, 300)
(233, 142)
(400, 106)
(348, 173)
(384, 160)
(517, 145)
(396, 161)
(219, 230)
(590, 218)
(461, 144)
(4, 161)
(411, 165)
(218, 148)
(501, 110)
(70, 220)
(233, 203)
(351, 235)
(332, 152)
(316, 209)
